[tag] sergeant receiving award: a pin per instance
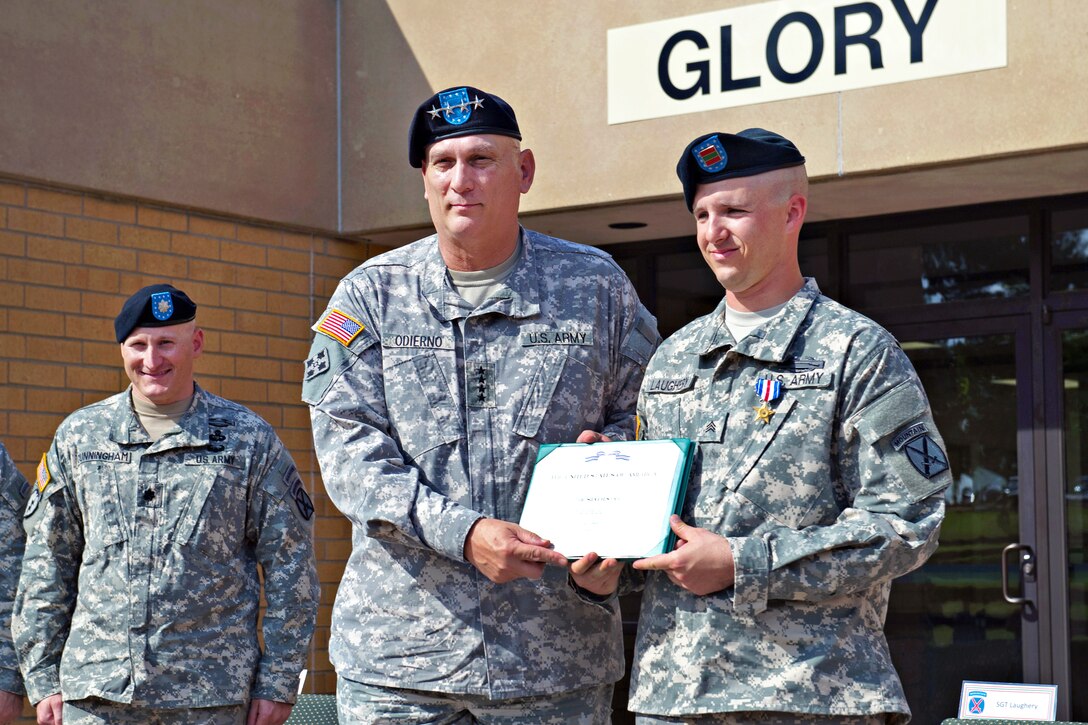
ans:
(612, 498)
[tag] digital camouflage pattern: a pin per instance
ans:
(427, 415)
(826, 502)
(140, 582)
(14, 490)
(374, 705)
(104, 712)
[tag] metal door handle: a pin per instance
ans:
(1027, 569)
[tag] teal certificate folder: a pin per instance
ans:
(614, 499)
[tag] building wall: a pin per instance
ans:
(297, 112)
(549, 61)
(68, 260)
(225, 106)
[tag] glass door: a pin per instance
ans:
(971, 612)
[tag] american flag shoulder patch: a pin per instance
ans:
(340, 326)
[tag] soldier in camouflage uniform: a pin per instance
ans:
(437, 371)
(13, 494)
(817, 481)
(152, 515)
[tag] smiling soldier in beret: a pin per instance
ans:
(149, 519)
(437, 371)
(818, 479)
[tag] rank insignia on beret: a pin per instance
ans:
(44, 477)
(339, 326)
(456, 107)
(710, 155)
(162, 306)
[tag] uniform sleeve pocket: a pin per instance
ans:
(642, 339)
(890, 412)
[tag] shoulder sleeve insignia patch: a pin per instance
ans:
(926, 456)
(44, 477)
(317, 365)
(298, 494)
(340, 326)
(40, 482)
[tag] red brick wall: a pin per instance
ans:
(67, 262)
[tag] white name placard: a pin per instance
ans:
(1007, 701)
(793, 48)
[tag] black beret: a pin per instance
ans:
(716, 156)
(158, 305)
(461, 111)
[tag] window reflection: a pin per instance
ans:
(983, 259)
(1069, 251)
(686, 289)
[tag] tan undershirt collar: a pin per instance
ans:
(157, 420)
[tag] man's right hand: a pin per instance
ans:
(503, 551)
(49, 710)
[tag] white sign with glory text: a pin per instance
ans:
(793, 48)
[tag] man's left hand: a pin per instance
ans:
(702, 561)
(596, 575)
(268, 712)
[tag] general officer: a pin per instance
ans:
(152, 512)
(13, 494)
(436, 372)
(818, 478)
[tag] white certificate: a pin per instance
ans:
(614, 499)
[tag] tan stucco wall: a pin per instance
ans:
(233, 108)
(548, 59)
(225, 106)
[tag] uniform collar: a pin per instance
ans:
(127, 430)
(518, 297)
(769, 342)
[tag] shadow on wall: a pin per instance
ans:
(381, 91)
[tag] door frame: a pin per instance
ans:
(1053, 469)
